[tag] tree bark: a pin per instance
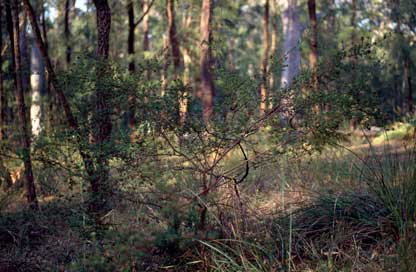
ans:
(36, 84)
(207, 84)
(291, 49)
(102, 122)
(173, 38)
(24, 53)
(165, 65)
(146, 44)
(25, 138)
(131, 36)
(407, 67)
(71, 120)
(2, 95)
(273, 48)
(131, 122)
(264, 87)
(313, 54)
(67, 31)
(353, 122)
(183, 103)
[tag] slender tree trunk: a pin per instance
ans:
(165, 65)
(3, 105)
(353, 122)
(132, 68)
(313, 54)
(36, 85)
(72, 121)
(146, 44)
(20, 101)
(231, 54)
(207, 84)
(131, 36)
(264, 87)
(173, 38)
(183, 103)
(2, 94)
(407, 67)
(273, 48)
(67, 31)
(102, 122)
(291, 49)
(49, 94)
(24, 53)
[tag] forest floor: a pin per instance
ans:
(349, 208)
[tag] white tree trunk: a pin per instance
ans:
(36, 85)
(291, 46)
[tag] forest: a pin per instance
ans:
(207, 135)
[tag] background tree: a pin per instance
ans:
(102, 125)
(21, 108)
(291, 46)
(207, 84)
(264, 87)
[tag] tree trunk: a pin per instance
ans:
(165, 65)
(313, 54)
(407, 67)
(273, 48)
(24, 54)
(146, 42)
(146, 45)
(131, 36)
(183, 103)
(353, 122)
(102, 122)
(2, 95)
(173, 39)
(132, 68)
(36, 85)
(72, 121)
(49, 94)
(3, 104)
(207, 85)
(264, 88)
(25, 139)
(67, 31)
(291, 49)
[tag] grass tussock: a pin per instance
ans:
(349, 210)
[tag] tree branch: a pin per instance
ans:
(144, 14)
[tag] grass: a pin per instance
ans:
(398, 131)
(335, 211)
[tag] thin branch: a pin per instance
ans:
(144, 14)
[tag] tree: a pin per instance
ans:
(313, 54)
(131, 35)
(2, 94)
(207, 84)
(273, 47)
(146, 45)
(21, 107)
(354, 122)
(71, 120)
(263, 92)
(291, 48)
(173, 38)
(36, 84)
(101, 122)
(183, 103)
(67, 31)
(132, 24)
